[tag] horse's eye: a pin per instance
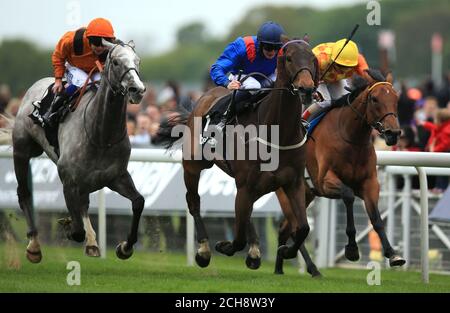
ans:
(374, 100)
(115, 62)
(288, 59)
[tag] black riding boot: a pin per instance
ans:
(239, 106)
(50, 116)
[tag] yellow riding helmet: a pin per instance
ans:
(348, 56)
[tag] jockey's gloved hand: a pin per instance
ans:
(317, 96)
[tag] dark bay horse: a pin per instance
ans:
(282, 107)
(94, 150)
(341, 161)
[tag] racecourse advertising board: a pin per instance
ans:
(161, 184)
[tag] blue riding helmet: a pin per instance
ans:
(270, 33)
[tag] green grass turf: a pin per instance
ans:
(168, 272)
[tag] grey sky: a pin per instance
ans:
(152, 24)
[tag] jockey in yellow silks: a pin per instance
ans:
(346, 63)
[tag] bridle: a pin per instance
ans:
(118, 90)
(378, 123)
(292, 88)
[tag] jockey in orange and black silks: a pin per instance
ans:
(74, 57)
(347, 61)
(249, 54)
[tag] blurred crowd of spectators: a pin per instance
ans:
(424, 117)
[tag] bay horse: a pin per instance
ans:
(94, 150)
(296, 70)
(341, 161)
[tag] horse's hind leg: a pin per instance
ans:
(125, 187)
(370, 194)
(191, 179)
(253, 260)
(24, 149)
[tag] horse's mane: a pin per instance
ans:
(359, 84)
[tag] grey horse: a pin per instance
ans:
(94, 150)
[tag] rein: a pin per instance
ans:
(120, 91)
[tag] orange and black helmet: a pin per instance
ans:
(100, 27)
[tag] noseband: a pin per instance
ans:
(378, 123)
(118, 90)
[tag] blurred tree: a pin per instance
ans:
(193, 33)
(22, 64)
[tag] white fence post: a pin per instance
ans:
(391, 210)
(406, 219)
(323, 234)
(102, 223)
(424, 244)
(332, 233)
(190, 238)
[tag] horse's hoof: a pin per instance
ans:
(252, 263)
(278, 271)
(225, 247)
(121, 251)
(286, 252)
(396, 260)
(315, 273)
(202, 261)
(34, 257)
(92, 251)
(352, 253)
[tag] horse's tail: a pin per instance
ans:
(165, 137)
(6, 129)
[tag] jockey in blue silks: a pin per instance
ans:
(249, 54)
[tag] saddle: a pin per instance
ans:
(219, 107)
(40, 107)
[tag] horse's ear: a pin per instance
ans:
(107, 44)
(306, 38)
(389, 77)
(132, 44)
(284, 39)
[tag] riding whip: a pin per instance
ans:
(346, 42)
(231, 105)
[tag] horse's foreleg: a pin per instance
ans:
(22, 167)
(74, 202)
(299, 224)
(125, 187)
(91, 248)
(351, 249)
(370, 195)
(333, 187)
(243, 211)
(285, 230)
(191, 179)
(253, 260)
